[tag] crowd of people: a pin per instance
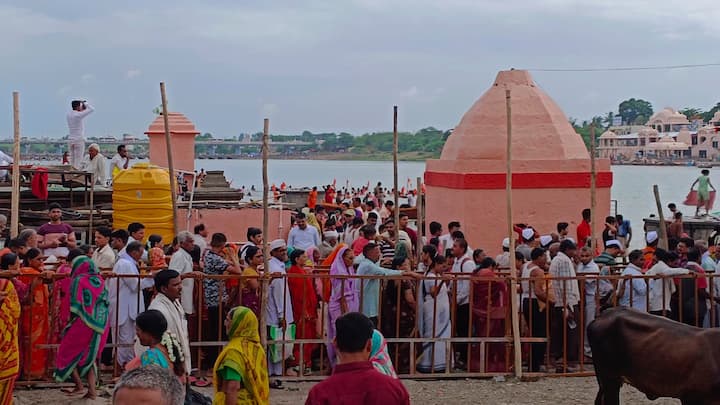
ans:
(352, 267)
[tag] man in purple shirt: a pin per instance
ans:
(56, 237)
(354, 380)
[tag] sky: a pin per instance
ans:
(340, 65)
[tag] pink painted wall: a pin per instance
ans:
(182, 141)
(550, 167)
(233, 222)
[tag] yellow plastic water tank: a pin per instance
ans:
(142, 194)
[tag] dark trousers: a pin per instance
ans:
(212, 332)
(538, 328)
(462, 329)
(569, 343)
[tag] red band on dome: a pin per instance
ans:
(496, 181)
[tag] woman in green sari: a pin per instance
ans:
(240, 375)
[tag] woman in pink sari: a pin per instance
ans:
(86, 333)
(344, 296)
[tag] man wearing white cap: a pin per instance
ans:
(330, 239)
(649, 251)
(279, 311)
(545, 241)
(613, 249)
(94, 162)
(503, 260)
(527, 236)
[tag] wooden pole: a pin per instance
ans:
(396, 213)
(593, 199)
(420, 209)
(266, 253)
(514, 305)
(15, 197)
(662, 231)
(171, 167)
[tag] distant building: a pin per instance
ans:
(667, 135)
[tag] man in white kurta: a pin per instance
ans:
(96, 163)
(167, 301)
(126, 301)
(181, 261)
(279, 311)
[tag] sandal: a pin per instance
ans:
(201, 382)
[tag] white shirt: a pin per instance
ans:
(200, 242)
(411, 200)
(636, 287)
(565, 290)
(104, 257)
(662, 288)
(446, 242)
(96, 166)
(350, 235)
(76, 127)
(502, 260)
(124, 302)
(304, 238)
(463, 264)
(181, 261)
(176, 324)
(279, 303)
(117, 161)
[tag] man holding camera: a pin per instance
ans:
(76, 134)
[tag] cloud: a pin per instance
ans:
(133, 73)
(87, 78)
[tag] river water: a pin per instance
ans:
(632, 186)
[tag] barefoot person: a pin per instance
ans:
(84, 338)
(703, 191)
(76, 130)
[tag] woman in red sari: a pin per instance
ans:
(488, 315)
(304, 302)
(34, 321)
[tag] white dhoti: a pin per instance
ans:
(124, 337)
(76, 149)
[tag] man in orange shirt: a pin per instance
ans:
(312, 198)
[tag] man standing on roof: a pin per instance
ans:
(76, 130)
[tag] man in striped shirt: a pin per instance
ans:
(565, 315)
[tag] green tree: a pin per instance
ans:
(692, 113)
(608, 120)
(632, 109)
(707, 116)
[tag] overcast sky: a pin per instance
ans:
(340, 65)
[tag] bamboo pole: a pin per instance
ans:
(662, 231)
(266, 253)
(593, 180)
(396, 212)
(419, 208)
(514, 305)
(15, 197)
(171, 167)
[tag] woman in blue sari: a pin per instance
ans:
(164, 350)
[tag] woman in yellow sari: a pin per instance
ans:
(9, 353)
(240, 375)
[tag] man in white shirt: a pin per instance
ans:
(303, 236)
(633, 292)
(103, 256)
(181, 261)
(94, 162)
(567, 298)
(200, 237)
(503, 259)
(279, 311)
(463, 264)
(76, 131)
(446, 241)
(663, 287)
(120, 161)
(169, 287)
(126, 300)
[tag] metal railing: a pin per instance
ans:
(479, 342)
